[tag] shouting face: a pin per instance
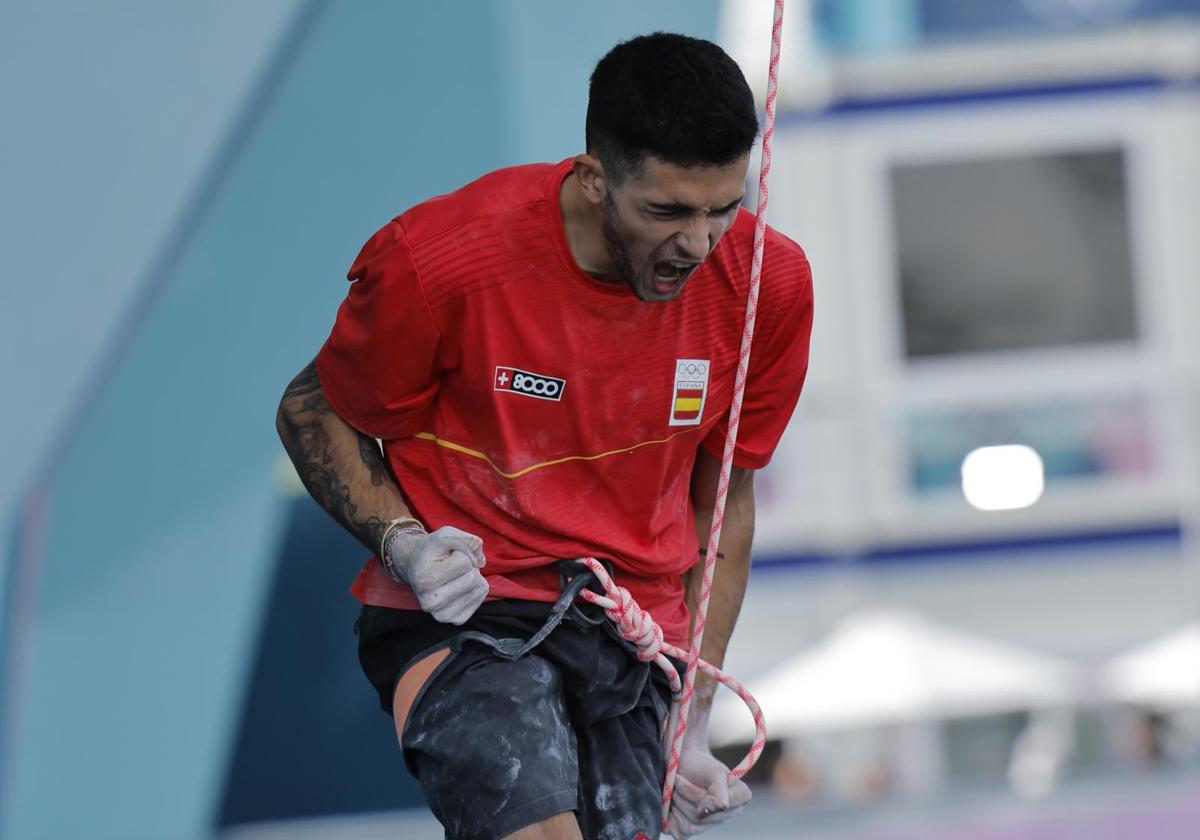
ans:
(663, 221)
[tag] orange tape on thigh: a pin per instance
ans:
(410, 683)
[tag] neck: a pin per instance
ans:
(582, 224)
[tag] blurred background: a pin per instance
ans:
(974, 611)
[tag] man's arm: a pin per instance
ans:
(732, 569)
(704, 796)
(345, 472)
(341, 468)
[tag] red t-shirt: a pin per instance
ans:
(551, 414)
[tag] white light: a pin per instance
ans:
(1003, 477)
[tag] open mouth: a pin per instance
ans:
(669, 275)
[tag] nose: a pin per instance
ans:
(697, 238)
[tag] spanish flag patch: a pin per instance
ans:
(691, 387)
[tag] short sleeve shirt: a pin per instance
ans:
(554, 415)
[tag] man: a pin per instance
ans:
(548, 355)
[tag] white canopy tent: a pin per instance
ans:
(884, 666)
(1162, 672)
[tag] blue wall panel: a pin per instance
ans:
(166, 514)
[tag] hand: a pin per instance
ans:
(442, 568)
(704, 795)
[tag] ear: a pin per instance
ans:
(590, 175)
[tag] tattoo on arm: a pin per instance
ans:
(372, 458)
(305, 423)
(305, 384)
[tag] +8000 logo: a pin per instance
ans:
(536, 385)
(516, 381)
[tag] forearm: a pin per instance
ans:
(341, 468)
(729, 584)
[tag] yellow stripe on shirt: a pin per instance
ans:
(475, 453)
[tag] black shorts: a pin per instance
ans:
(511, 729)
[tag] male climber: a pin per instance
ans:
(548, 355)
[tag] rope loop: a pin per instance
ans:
(639, 627)
(634, 624)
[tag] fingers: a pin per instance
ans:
(688, 791)
(453, 538)
(443, 571)
(718, 794)
(461, 584)
(685, 824)
(739, 793)
(692, 817)
(709, 818)
(707, 798)
(729, 797)
(477, 557)
(433, 570)
(700, 778)
(703, 802)
(455, 601)
(458, 611)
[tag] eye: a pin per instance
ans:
(665, 213)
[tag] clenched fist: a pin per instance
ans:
(442, 568)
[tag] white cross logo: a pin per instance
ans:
(503, 378)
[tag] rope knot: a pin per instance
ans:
(636, 624)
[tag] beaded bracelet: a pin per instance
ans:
(400, 524)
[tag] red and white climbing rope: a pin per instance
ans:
(635, 624)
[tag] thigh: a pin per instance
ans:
(491, 743)
(621, 769)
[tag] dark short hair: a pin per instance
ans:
(679, 99)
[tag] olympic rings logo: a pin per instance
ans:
(693, 369)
